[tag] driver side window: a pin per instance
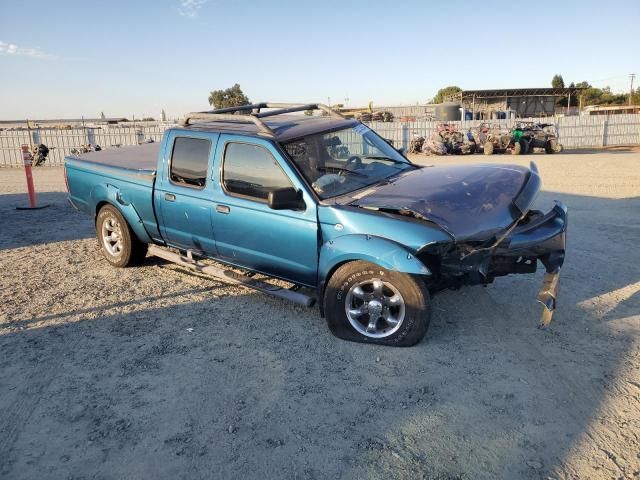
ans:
(251, 171)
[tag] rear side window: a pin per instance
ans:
(250, 170)
(189, 161)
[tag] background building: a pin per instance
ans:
(513, 102)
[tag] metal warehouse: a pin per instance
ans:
(525, 102)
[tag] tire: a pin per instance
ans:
(550, 146)
(558, 148)
(488, 148)
(118, 243)
(353, 288)
(517, 149)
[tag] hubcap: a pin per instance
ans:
(112, 236)
(375, 308)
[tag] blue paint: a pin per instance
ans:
(388, 224)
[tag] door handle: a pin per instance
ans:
(222, 209)
(170, 197)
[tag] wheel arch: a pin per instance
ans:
(109, 195)
(379, 251)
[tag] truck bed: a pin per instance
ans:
(123, 176)
(140, 158)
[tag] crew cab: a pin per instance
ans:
(301, 194)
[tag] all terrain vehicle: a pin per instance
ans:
(494, 139)
(448, 140)
(537, 135)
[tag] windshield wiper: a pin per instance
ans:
(345, 170)
(382, 157)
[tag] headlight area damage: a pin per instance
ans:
(535, 237)
(493, 231)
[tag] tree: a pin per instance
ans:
(231, 97)
(590, 95)
(444, 93)
(557, 81)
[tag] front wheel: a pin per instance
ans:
(366, 303)
(118, 243)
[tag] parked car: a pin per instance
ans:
(364, 232)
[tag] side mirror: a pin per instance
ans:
(285, 199)
(402, 151)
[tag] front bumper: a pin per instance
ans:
(538, 237)
(543, 238)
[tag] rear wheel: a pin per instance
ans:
(366, 303)
(118, 243)
(488, 148)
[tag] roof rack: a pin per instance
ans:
(253, 114)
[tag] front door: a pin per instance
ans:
(283, 243)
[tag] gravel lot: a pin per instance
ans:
(152, 372)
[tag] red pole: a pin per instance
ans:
(27, 157)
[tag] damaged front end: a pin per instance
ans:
(486, 212)
(536, 236)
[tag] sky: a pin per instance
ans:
(67, 58)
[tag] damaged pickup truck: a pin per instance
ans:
(325, 204)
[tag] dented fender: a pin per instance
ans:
(377, 250)
(113, 195)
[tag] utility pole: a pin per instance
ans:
(632, 76)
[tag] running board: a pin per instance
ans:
(232, 277)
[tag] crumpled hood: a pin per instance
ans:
(470, 202)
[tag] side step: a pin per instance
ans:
(233, 277)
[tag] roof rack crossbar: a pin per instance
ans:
(226, 117)
(281, 111)
(240, 108)
(229, 114)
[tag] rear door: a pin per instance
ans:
(283, 243)
(183, 195)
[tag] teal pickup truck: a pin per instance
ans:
(325, 204)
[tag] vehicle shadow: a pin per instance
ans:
(248, 386)
(56, 223)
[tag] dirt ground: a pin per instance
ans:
(152, 372)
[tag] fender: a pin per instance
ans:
(112, 195)
(377, 250)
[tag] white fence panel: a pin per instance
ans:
(573, 132)
(10, 147)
